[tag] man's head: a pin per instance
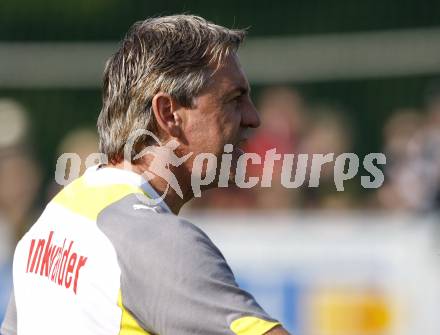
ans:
(178, 77)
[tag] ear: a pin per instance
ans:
(165, 109)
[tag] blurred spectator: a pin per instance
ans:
(6, 252)
(412, 144)
(401, 127)
(82, 141)
(329, 132)
(19, 182)
(432, 142)
(398, 132)
(14, 124)
(283, 124)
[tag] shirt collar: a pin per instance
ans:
(99, 175)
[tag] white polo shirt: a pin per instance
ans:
(103, 260)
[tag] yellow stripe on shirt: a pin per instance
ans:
(89, 200)
(250, 325)
(129, 325)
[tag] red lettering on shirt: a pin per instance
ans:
(57, 263)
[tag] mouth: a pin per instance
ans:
(241, 144)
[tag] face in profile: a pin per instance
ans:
(221, 114)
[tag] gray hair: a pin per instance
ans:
(171, 54)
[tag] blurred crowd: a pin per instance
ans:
(292, 125)
(412, 146)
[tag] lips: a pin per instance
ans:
(240, 151)
(242, 142)
(240, 145)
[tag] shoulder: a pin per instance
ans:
(131, 224)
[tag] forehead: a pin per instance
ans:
(228, 76)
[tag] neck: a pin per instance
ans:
(172, 199)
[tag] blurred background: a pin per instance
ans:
(339, 76)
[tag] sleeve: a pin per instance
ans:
(174, 280)
(9, 325)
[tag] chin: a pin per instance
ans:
(232, 178)
(235, 156)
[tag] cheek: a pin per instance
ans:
(204, 134)
(210, 129)
(230, 123)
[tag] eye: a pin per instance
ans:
(237, 98)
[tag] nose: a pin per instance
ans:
(250, 117)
